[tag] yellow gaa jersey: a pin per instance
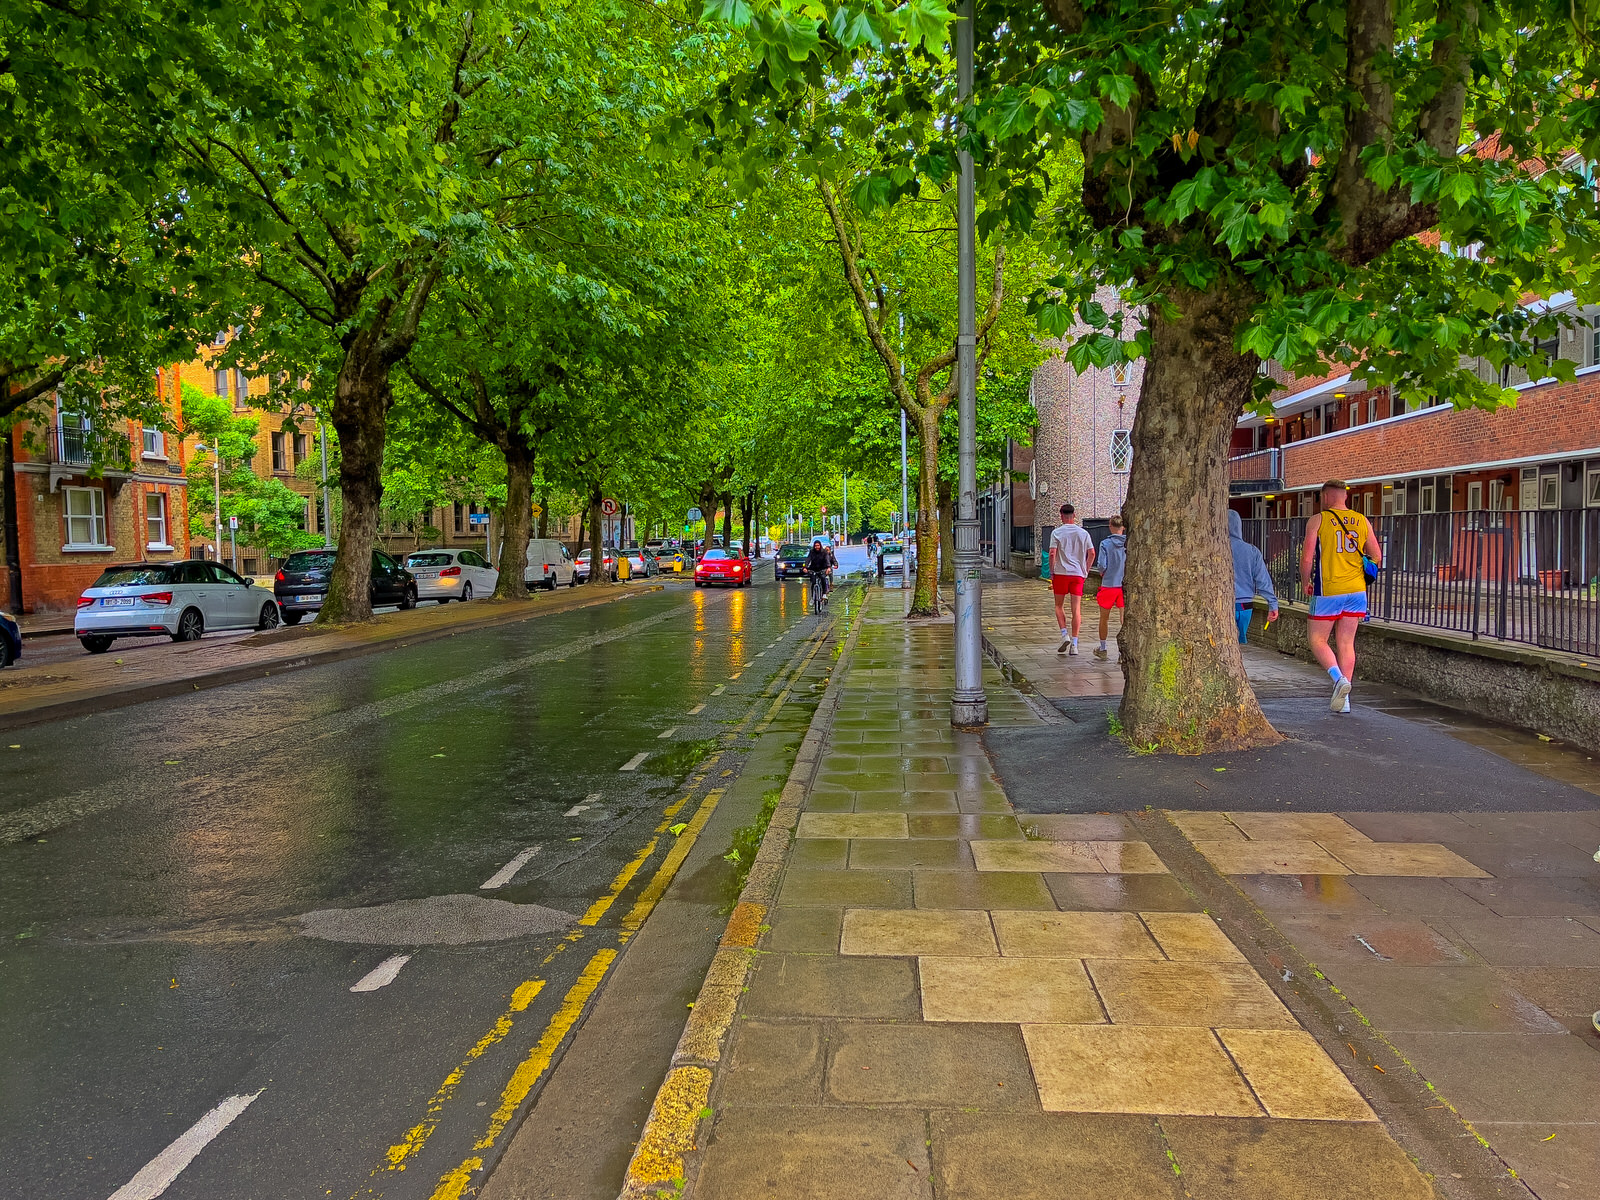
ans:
(1337, 570)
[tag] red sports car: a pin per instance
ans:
(722, 566)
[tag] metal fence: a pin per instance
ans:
(1530, 577)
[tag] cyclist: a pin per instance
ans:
(819, 566)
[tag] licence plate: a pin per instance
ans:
(307, 599)
(117, 602)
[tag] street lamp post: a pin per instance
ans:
(327, 509)
(216, 494)
(968, 705)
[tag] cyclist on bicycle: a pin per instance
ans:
(819, 566)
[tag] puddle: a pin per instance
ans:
(434, 921)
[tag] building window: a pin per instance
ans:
(1366, 503)
(1427, 497)
(1121, 450)
(459, 518)
(155, 443)
(301, 448)
(1119, 374)
(1399, 499)
(1591, 488)
(155, 521)
(280, 460)
(222, 384)
(241, 389)
(1497, 494)
(1474, 497)
(1550, 491)
(221, 339)
(86, 516)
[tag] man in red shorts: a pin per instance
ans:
(1071, 556)
(1113, 559)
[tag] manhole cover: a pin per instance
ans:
(435, 920)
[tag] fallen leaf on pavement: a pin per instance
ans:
(1379, 1069)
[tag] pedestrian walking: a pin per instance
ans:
(1071, 556)
(1113, 559)
(1250, 579)
(1339, 555)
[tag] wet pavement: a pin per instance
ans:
(167, 872)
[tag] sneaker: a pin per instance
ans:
(1346, 707)
(1341, 696)
(1066, 645)
(1102, 655)
(1072, 646)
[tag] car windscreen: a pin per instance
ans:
(137, 575)
(435, 559)
(791, 551)
(309, 560)
(894, 548)
(715, 556)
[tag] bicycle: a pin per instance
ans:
(819, 593)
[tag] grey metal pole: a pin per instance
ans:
(216, 466)
(905, 511)
(846, 530)
(968, 705)
(327, 509)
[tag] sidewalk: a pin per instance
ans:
(949, 997)
(96, 682)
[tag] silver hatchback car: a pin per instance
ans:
(180, 599)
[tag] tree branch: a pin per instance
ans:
(316, 312)
(11, 401)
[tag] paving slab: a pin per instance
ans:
(1291, 1160)
(1122, 893)
(1453, 999)
(1065, 1156)
(930, 1066)
(1553, 1159)
(814, 1153)
(1509, 1076)
(826, 985)
(1130, 1069)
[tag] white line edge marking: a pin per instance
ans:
(381, 975)
(571, 812)
(719, 689)
(633, 763)
(508, 872)
(160, 1172)
(697, 710)
(666, 733)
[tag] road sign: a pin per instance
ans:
(694, 515)
(537, 511)
(824, 510)
(478, 518)
(233, 522)
(610, 507)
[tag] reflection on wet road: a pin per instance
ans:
(178, 960)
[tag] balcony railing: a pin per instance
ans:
(70, 447)
(1255, 472)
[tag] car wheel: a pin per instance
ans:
(292, 618)
(269, 616)
(550, 584)
(96, 643)
(6, 657)
(408, 599)
(466, 593)
(573, 582)
(191, 626)
(443, 600)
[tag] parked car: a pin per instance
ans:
(10, 640)
(724, 567)
(549, 564)
(672, 560)
(580, 568)
(302, 583)
(791, 560)
(179, 599)
(446, 575)
(892, 559)
(641, 563)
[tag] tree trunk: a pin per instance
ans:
(925, 599)
(13, 538)
(360, 417)
(746, 505)
(516, 527)
(727, 521)
(597, 552)
(1185, 690)
(947, 532)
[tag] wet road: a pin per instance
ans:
(154, 964)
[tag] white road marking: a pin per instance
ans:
(666, 733)
(383, 974)
(506, 873)
(633, 763)
(719, 689)
(759, 653)
(697, 710)
(159, 1173)
(589, 800)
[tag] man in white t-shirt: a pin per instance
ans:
(1071, 556)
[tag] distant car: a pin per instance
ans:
(549, 564)
(446, 575)
(10, 640)
(724, 567)
(892, 559)
(301, 583)
(672, 560)
(580, 568)
(179, 599)
(641, 562)
(791, 561)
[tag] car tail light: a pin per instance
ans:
(162, 598)
(279, 576)
(449, 572)
(85, 601)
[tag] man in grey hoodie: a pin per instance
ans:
(1112, 559)
(1250, 578)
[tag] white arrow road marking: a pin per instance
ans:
(633, 763)
(159, 1173)
(506, 873)
(697, 710)
(719, 689)
(383, 974)
(666, 733)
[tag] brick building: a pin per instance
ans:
(72, 522)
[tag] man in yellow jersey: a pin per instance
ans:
(1333, 576)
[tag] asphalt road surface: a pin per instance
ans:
(178, 958)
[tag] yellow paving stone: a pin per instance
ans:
(1128, 858)
(1404, 858)
(1299, 857)
(1074, 827)
(1035, 856)
(1187, 993)
(852, 825)
(1191, 937)
(1110, 1068)
(1293, 1076)
(1289, 827)
(1073, 935)
(917, 931)
(1207, 826)
(1021, 990)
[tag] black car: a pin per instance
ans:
(302, 582)
(10, 640)
(791, 560)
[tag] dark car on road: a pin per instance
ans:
(302, 582)
(10, 640)
(791, 560)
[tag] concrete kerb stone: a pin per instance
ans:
(657, 1166)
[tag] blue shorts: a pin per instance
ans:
(1331, 608)
(1241, 614)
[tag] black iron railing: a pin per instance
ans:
(1529, 577)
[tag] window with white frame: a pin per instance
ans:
(222, 384)
(155, 521)
(86, 516)
(1591, 488)
(155, 443)
(1550, 491)
(1121, 450)
(1427, 497)
(1474, 497)
(241, 389)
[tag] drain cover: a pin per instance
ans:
(433, 921)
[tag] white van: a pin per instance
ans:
(549, 564)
